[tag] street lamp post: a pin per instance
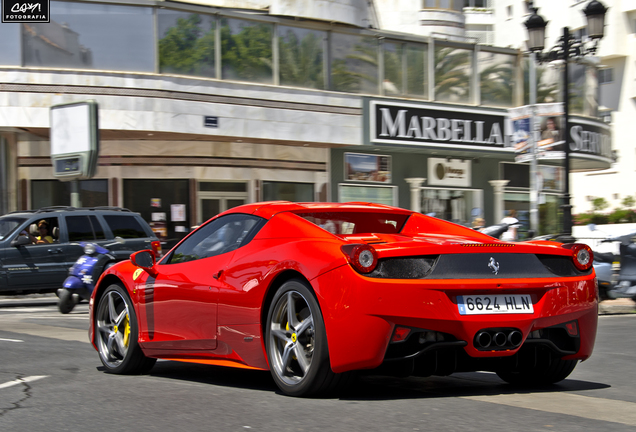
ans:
(567, 48)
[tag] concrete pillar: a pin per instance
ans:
(498, 186)
(416, 184)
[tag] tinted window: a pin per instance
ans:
(97, 228)
(125, 226)
(356, 222)
(84, 228)
(222, 235)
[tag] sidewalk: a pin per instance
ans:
(617, 306)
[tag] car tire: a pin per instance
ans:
(65, 302)
(296, 344)
(556, 371)
(116, 334)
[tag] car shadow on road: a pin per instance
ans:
(215, 375)
(457, 385)
(368, 387)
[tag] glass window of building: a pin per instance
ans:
(548, 79)
(153, 199)
(376, 194)
(301, 57)
(455, 205)
(393, 68)
(417, 70)
(246, 50)
(287, 191)
(46, 193)
(583, 90)
(92, 36)
(354, 63)
(496, 79)
(456, 5)
(10, 44)
(453, 72)
(186, 43)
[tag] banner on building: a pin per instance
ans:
(549, 127)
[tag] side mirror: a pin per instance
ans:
(119, 240)
(20, 241)
(146, 260)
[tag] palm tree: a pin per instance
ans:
(497, 84)
(247, 55)
(352, 73)
(301, 61)
(452, 74)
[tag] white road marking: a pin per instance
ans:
(11, 340)
(22, 380)
(610, 410)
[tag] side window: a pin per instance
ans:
(125, 226)
(222, 235)
(97, 228)
(44, 231)
(79, 228)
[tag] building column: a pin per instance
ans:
(498, 186)
(416, 184)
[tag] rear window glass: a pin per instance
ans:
(341, 223)
(125, 226)
(84, 228)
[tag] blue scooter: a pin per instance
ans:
(84, 273)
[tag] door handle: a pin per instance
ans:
(55, 251)
(218, 275)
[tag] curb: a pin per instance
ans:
(617, 307)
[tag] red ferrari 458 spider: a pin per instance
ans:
(316, 291)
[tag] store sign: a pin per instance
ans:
(444, 172)
(435, 126)
(590, 137)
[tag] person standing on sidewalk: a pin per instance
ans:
(513, 225)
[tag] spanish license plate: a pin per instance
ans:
(495, 304)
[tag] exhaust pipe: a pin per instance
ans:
(483, 339)
(515, 337)
(500, 339)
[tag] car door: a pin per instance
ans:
(36, 267)
(179, 307)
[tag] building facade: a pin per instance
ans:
(208, 104)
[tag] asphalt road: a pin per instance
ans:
(51, 380)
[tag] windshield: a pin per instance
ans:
(357, 222)
(8, 224)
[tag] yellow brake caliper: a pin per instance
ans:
(126, 325)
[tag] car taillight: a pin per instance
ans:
(362, 257)
(156, 248)
(582, 255)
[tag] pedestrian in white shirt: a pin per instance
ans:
(513, 225)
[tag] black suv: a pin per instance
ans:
(26, 266)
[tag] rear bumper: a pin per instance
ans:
(361, 313)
